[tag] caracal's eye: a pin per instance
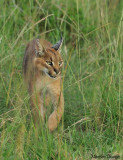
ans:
(60, 62)
(50, 63)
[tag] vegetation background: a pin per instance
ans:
(92, 74)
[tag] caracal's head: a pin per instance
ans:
(48, 58)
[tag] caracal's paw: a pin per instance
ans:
(52, 122)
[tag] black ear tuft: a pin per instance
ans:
(58, 45)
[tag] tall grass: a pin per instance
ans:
(92, 52)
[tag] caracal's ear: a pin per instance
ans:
(39, 50)
(58, 45)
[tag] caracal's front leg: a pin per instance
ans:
(56, 116)
(37, 107)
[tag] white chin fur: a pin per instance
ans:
(45, 70)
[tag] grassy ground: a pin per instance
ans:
(92, 53)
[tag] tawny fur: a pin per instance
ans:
(40, 76)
